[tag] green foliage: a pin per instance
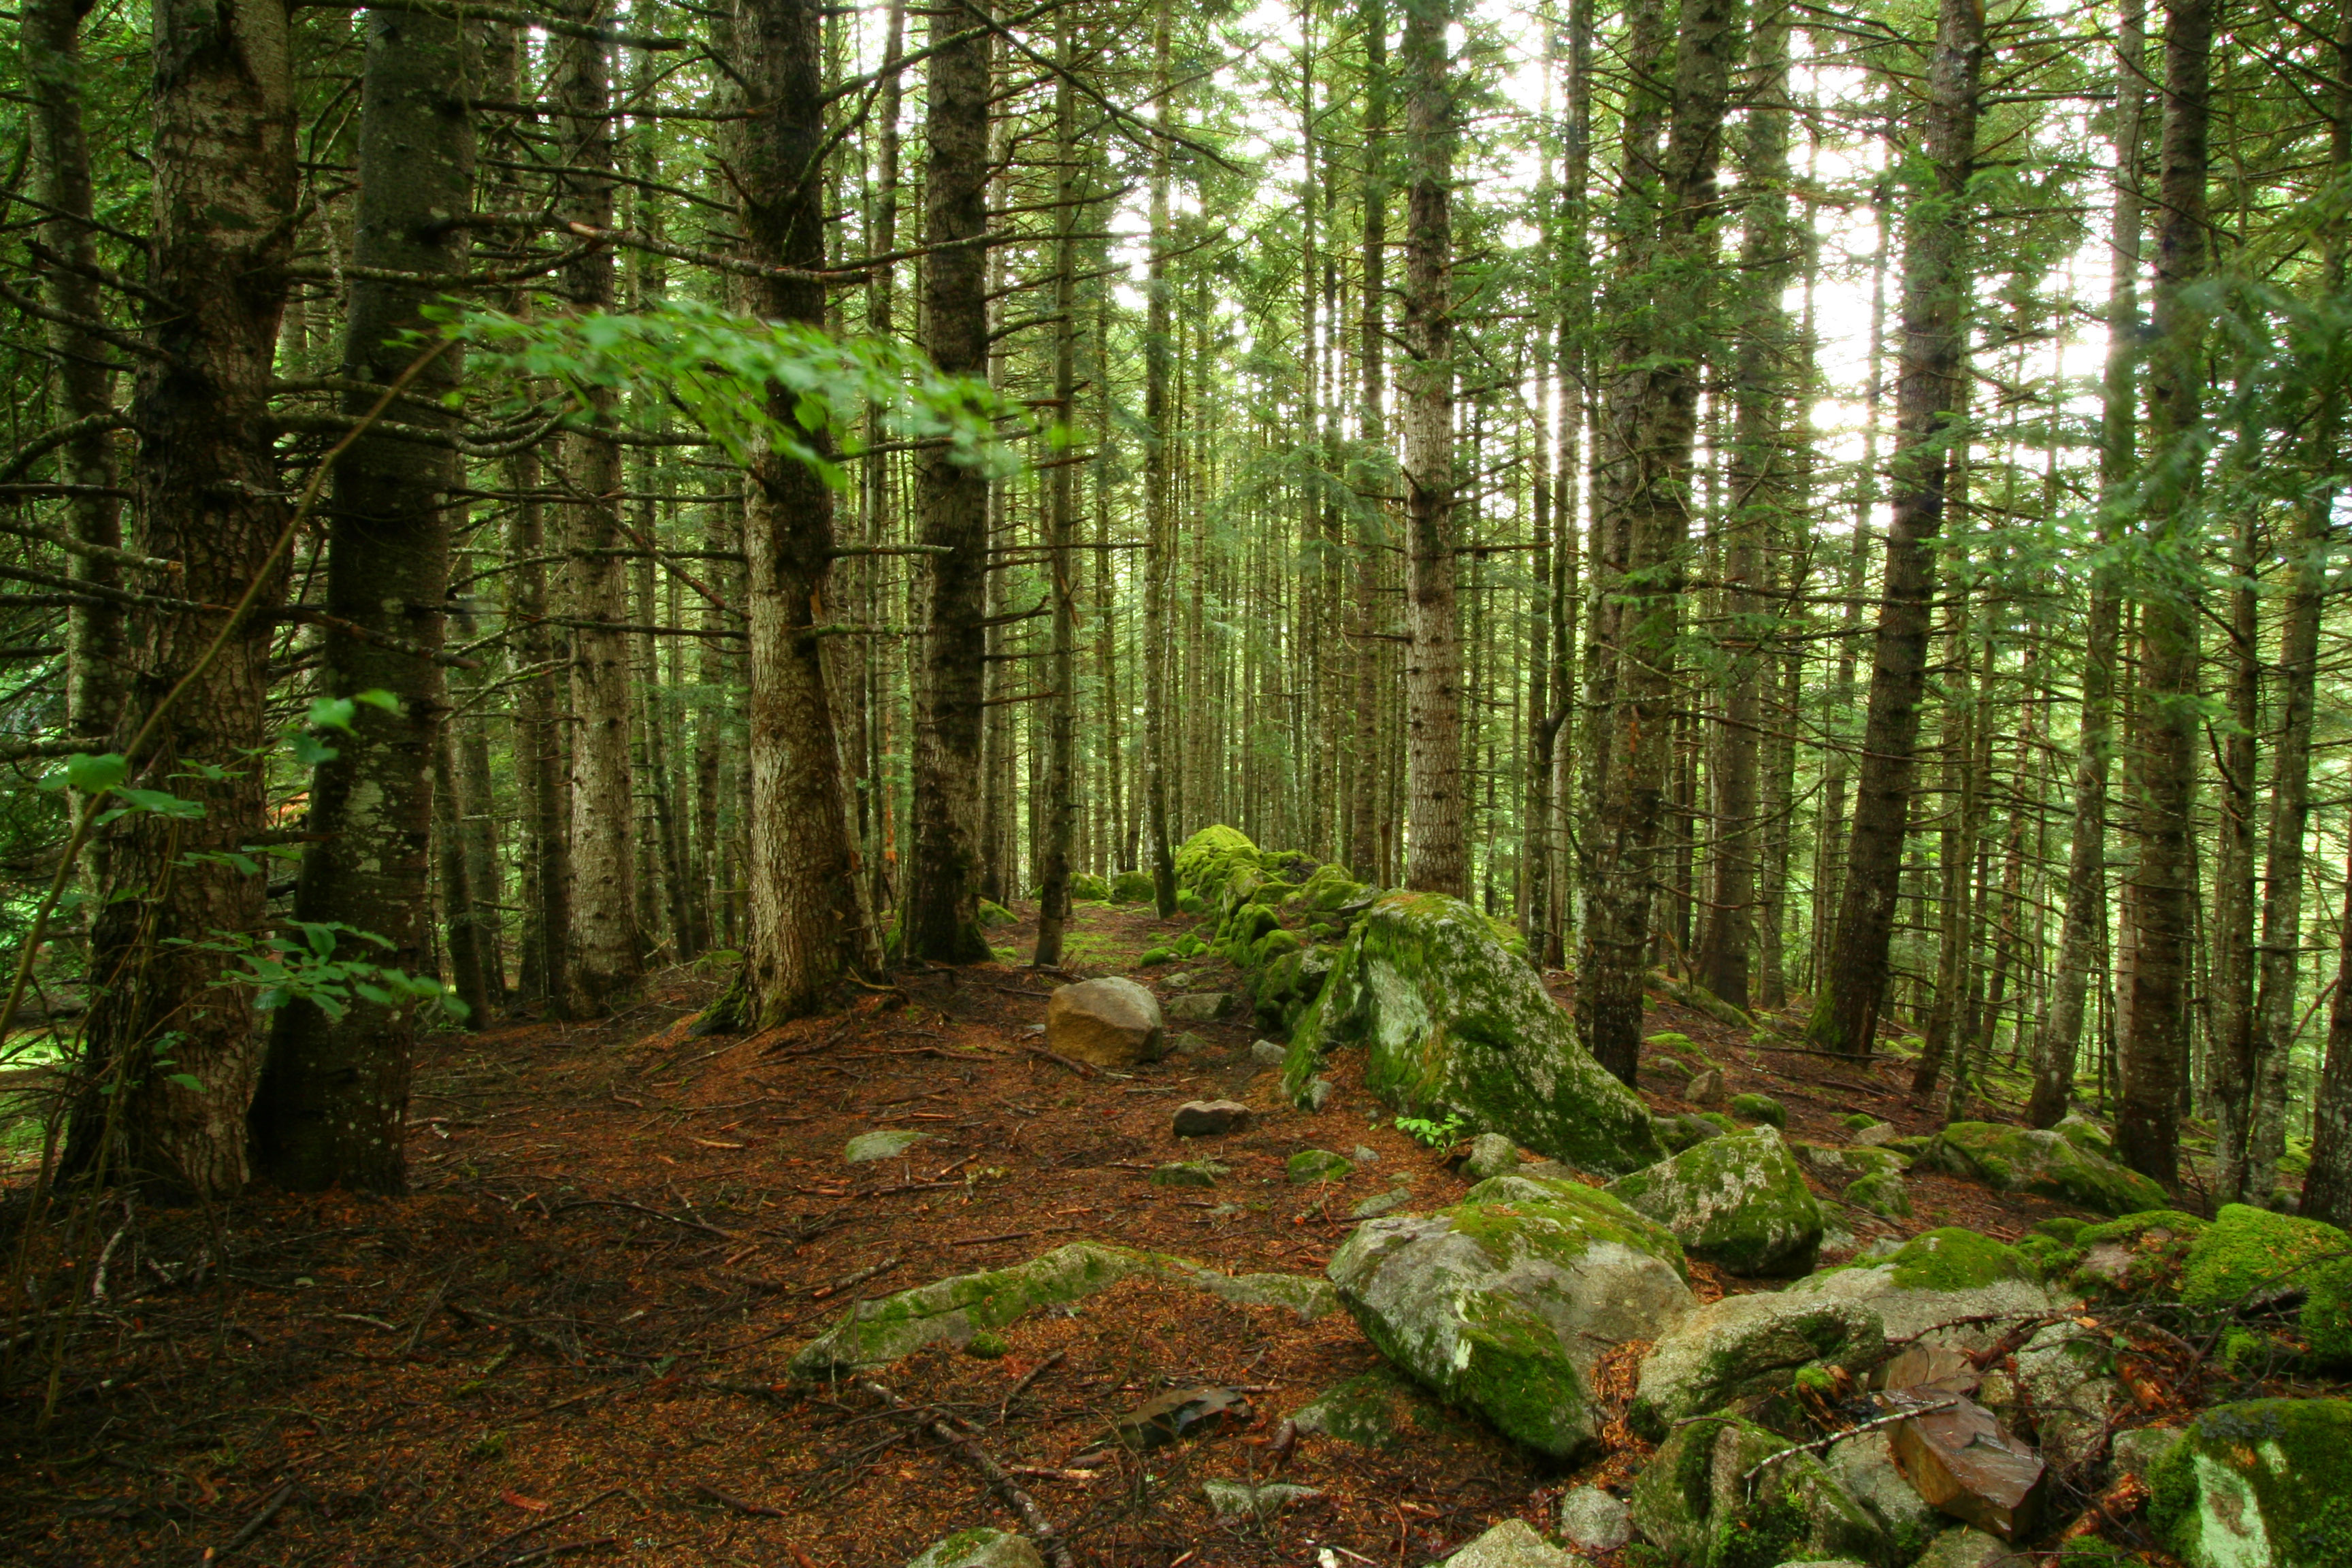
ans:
(1433, 1134)
(753, 386)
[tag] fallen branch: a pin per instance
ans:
(1834, 1437)
(254, 1526)
(645, 1209)
(1084, 1069)
(503, 1541)
(1040, 1530)
(740, 1505)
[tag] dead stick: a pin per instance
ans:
(268, 1511)
(504, 1542)
(1084, 1069)
(740, 1505)
(1049, 1539)
(1835, 1437)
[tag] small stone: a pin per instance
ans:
(1882, 1192)
(1201, 1007)
(1382, 1203)
(1760, 1107)
(1266, 1053)
(1491, 1155)
(1318, 1094)
(981, 1548)
(1318, 1165)
(1511, 1544)
(1211, 1118)
(1593, 1520)
(888, 1144)
(1964, 1546)
(1191, 1046)
(2138, 1451)
(1860, 1122)
(1707, 1089)
(1674, 1069)
(1232, 1501)
(1178, 980)
(1188, 1173)
(1111, 1023)
(1364, 1156)
(1876, 1135)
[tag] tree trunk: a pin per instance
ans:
(606, 959)
(333, 1103)
(1658, 356)
(1061, 804)
(209, 496)
(941, 919)
(1929, 381)
(2164, 771)
(1159, 525)
(2327, 1186)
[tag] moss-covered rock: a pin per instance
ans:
(953, 1310)
(1760, 1107)
(1745, 1345)
(981, 1547)
(2046, 1163)
(1680, 1132)
(1190, 902)
(1739, 1200)
(1453, 1024)
(1329, 888)
(1378, 1409)
(1882, 1192)
(1132, 888)
(1698, 1501)
(1318, 1165)
(1504, 1307)
(1086, 885)
(2252, 1258)
(1190, 1173)
(993, 914)
(1858, 1122)
(2139, 1255)
(1288, 985)
(2265, 1484)
(1269, 947)
(1153, 957)
(1865, 1466)
(1934, 1281)
(1244, 926)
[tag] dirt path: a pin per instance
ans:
(573, 1339)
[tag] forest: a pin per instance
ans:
(593, 552)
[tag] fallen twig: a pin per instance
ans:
(1084, 1069)
(505, 1540)
(740, 1505)
(1887, 1420)
(1027, 1378)
(261, 1518)
(1040, 1530)
(648, 1210)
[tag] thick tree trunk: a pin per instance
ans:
(606, 959)
(209, 496)
(334, 1101)
(1658, 358)
(941, 920)
(1929, 381)
(2164, 771)
(810, 925)
(2327, 1186)
(1438, 858)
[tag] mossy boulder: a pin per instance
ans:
(2264, 1484)
(1329, 888)
(1681, 1132)
(992, 914)
(1086, 885)
(1190, 1173)
(1453, 1024)
(1504, 1307)
(1865, 1466)
(1933, 1283)
(1882, 1192)
(1377, 1409)
(1288, 984)
(1244, 926)
(1760, 1107)
(981, 1547)
(1747, 1345)
(1696, 1502)
(2039, 1161)
(953, 1310)
(2252, 1258)
(1318, 1165)
(1739, 1200)
(1190, 902)
(1219, 863)
(1132, 888)
(1269, 947)
(2137, 1254)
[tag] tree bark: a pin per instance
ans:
(2327, 1186)
(1060, 803)
(1658, 355)
(2164, 771)
(1160, 527)
(1930, 373)
(332, 1107)
(210, 496)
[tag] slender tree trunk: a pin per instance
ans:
(51, 31)
(2229, 918)
(1658, 358)
(209, 496)
(463, 934)
(1061, 804)
(1438, 860)
(2327, 1186)
(333, 1103)
(1929, 380)
(2081, 929)
(1159, 525)
(1375, 474)
(607, 960)
(2164, 771)
(942, 909)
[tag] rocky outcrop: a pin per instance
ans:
(1451, 1024)
(2046, 1163)
(1504, 1307)
(1745, 1345)
(1112, 1023)
(1704, 1501)
(1933, 1283)
(1739, 1200)
(2265, 1484)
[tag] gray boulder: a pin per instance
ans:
(2260, 1484)
(1504, 1307)
(1491, 1155)
(1112, 1022)
(1865, 1465)
(1748, 1344)
(1201, 1007)
(2042, 1162)
(1593, 1520)
(1931, 1283)
(1966, 1546)
(1210, 1118)
(1452, 1024)
(1512, 1544)
(1704, 1502)
(1739, 1200)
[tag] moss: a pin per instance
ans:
(2249, 1256)
(1156, 956)
(994, 914)
(1188, 1174)
(1373, 1410)
(1132, 888)
(987, 1345)
(1086, 885)
(1719, 1119)
(1955, 1259)
(1739, 1200)
(2269, 1481)
(1271, 946)
(2140, 1254)
(1760, 1107)
(1318, 1165)
(1881, 1192)
(2022, 1159)
(1858, 1122)
(2061, 1227)
(1792, 1511)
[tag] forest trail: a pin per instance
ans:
(574, 1337)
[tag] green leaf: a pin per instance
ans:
(379, 698)
(188, 1082)
(90, 774)
(376, 993)
(332, 713)
(161, 801)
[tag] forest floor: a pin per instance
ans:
(570, 1342)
